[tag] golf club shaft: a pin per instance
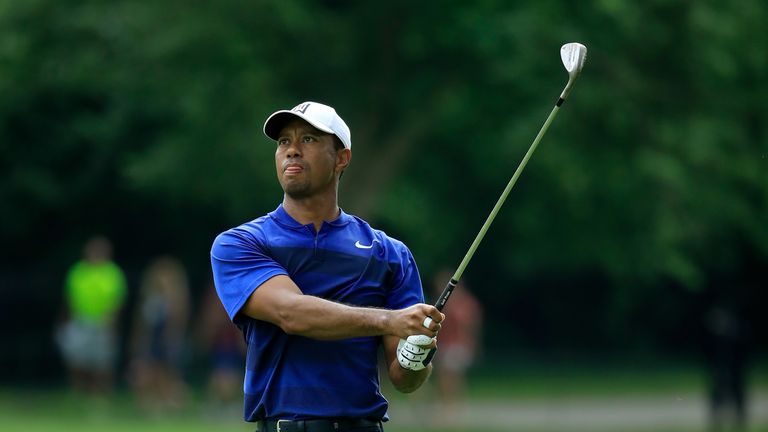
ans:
(443, 299)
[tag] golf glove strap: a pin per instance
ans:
(413, 357)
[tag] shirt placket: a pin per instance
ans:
(318, 253)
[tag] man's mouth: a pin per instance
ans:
(293, 169)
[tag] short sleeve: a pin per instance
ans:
(406, 289)
(240, 264)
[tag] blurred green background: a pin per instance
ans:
(644, 208)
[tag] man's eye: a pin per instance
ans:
(282, 141)
(308, 138)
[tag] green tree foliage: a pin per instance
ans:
(653, 178)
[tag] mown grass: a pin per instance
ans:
(26, 409)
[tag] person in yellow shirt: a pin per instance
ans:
(95, 290)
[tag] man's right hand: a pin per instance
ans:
(410, 321)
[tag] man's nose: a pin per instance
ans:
(294, 149)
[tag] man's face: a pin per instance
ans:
(306, 159)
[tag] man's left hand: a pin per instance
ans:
(416, 352)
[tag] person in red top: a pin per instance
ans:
(459, 343)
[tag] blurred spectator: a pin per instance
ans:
(727, 353)
(95, 290)
(158, 338)
(457, 345)
(224, 348)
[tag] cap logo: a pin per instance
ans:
(302, 108)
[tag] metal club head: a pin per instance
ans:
(574, 55)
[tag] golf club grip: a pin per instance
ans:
(447, 291)
(442, 300)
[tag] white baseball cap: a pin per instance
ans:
(318, 115)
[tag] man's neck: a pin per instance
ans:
(312, 210)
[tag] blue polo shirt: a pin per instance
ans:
(347, 261)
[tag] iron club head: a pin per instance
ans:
(573, 55)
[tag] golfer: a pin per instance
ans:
(316, 291)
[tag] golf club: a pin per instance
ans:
(573, 55)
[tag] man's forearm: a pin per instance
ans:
(407, 381)
(318, 318)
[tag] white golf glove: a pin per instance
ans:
(411, 355)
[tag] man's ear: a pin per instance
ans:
(343, 158)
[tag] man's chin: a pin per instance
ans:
(297, 191)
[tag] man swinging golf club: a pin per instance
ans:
(315, 290)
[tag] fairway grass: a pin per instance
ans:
(519, 399)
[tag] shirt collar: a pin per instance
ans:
(283, 218)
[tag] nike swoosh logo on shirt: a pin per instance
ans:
(362, 246)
